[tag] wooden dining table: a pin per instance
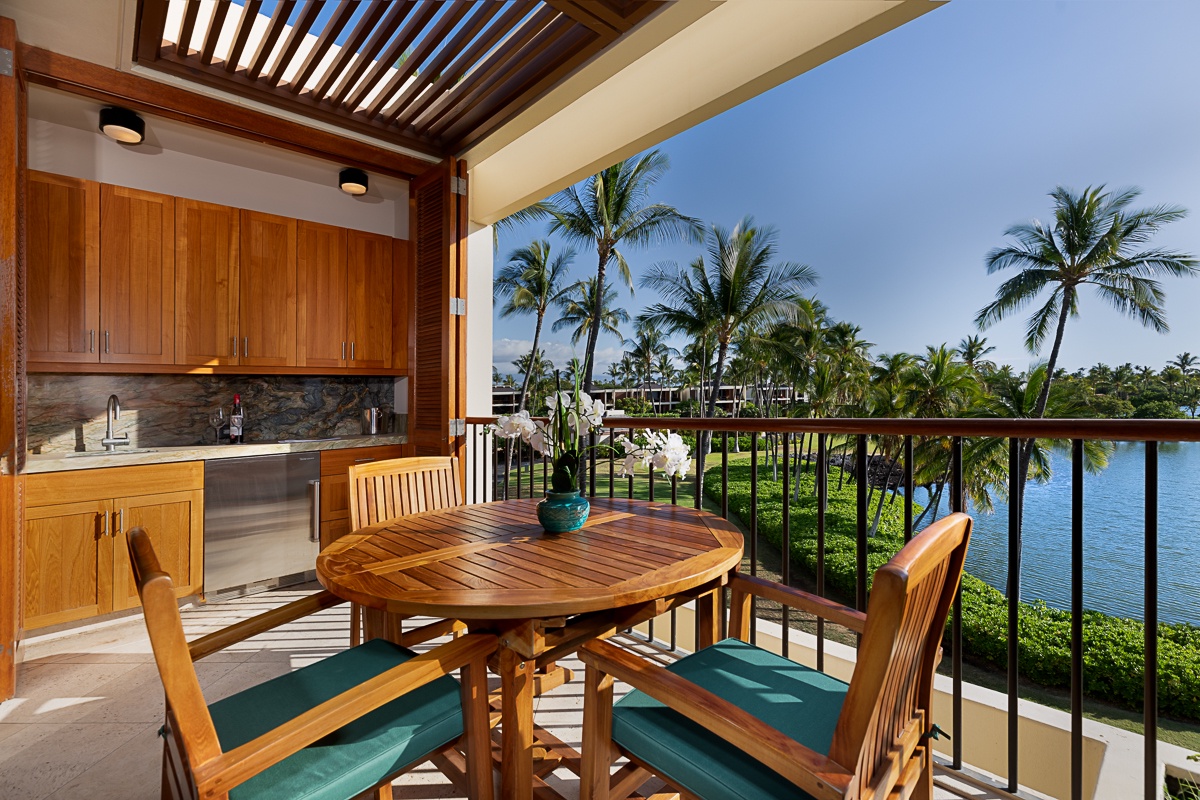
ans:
(492, 566)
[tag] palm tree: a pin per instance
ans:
(1096, 240)
(972, 349)
(536, 368)
(646, 346)
(1186, 362)
(532, 282)
(739, 285)
(578, 308)
(610, 210)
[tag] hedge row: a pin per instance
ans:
(1113, 646)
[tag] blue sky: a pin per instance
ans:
(893, 169)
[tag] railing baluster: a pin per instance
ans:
(612, 440)
(753, 533)
(786, 555)
(822, 479)
(545, 472)
(861, 475)
(1014, 598)
(909, 488)
(1077, 619)
(631, 478)
(1150, 614)
(518, 462)
(957, 503)
(591, 463)
(532, 470)
(698, 500)
(725, 474)
(650, 478)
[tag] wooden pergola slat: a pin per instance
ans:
(434, 52)
(335, 26)
(209, 52)
(190, 12)
(245, 25)
(366, 26)
(267, 44)
(425, 12)
(308, 18)
(409, 108)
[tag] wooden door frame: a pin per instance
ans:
(12, 356)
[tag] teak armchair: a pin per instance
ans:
(734, 722)
(332, 730)
(383, 490)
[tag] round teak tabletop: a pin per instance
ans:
(494, 561)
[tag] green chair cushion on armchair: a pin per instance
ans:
(356, 757)
(798, 701)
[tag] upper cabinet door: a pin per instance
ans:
(267, 296)
(137, 277)
(321, 321)
(369, 306)
(63, 256)
(206, 285)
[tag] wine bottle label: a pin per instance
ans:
(235, 425)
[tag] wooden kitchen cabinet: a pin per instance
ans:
(369, 300)
(137, 277)
(335, 485)
(63, 256)
(267, 291)
(321, 318)
(75, 561)
(206, 284)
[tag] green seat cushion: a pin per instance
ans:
(356, 757)
(800, 702)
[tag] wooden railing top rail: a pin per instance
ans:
(1115, 430)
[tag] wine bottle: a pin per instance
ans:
(236, 421)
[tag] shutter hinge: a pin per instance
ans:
(6, 67)
(458, 307)
(458, 185)
(458, 427)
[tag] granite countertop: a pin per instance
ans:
(62, 462)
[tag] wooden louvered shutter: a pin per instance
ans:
(438, 228)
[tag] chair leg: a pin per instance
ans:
(355, 624)
(477, 738)
(597, 735)
(383, 792)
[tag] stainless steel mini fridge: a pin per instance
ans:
(262, 519)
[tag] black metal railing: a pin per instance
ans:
(493, 479)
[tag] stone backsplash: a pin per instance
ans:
(66, 413)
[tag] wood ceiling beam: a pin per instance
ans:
(337, 23)
(151, 27)
(607, 13)
(245, 25)
(406, 112)
(584, 16)
(190, 12)
(283, 10)
(366, 25)
(454, 102)
(433, 51)
(142, 94)
(209, 52)
(424, 12)
(308, 18)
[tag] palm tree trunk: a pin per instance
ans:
(537, 335)
(882, 496)
(597, 317)
(722, 351)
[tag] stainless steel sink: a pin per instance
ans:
(124, 451)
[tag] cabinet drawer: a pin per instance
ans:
(49, 488)
(336, 462)
(335, 497)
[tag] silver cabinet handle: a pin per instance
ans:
(120, 521)
(352, 351)
(245, 346)
(91, 340)
(314, 534)
(104, 521)
(106, 341)
(343, 351)
(233, 346)
(364, 460)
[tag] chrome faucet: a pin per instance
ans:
(109, 441)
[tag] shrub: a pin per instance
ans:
(1113, 646)
(635, 406)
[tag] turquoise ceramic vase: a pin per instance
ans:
(563, 512)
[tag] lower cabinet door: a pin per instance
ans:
(67, 563)
(174, 521)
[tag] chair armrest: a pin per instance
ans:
(217, 776)
(788, 596)
(806, 768)
(219, 640)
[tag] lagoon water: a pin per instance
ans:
(1113, 518)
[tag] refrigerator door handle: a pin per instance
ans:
(315, 528)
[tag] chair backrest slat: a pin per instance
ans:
(195, 730)
(893, 677)
(385, 490)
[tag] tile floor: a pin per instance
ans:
(89, 705)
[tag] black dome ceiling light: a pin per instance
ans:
(353, 181)
(122, 125)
